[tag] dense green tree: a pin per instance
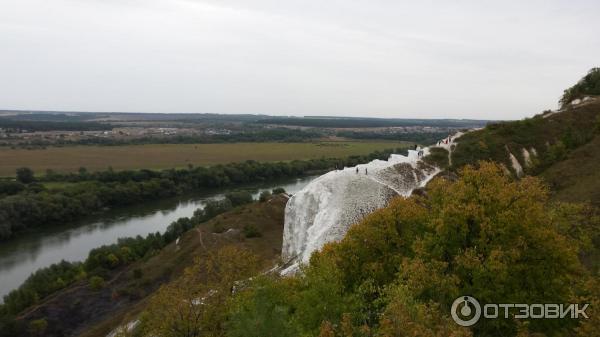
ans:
(239, 198)
(37, 327)
(8, 187)
(278, 190)
(25, 175)
(97, 282)
(264, 196)
(588, 85)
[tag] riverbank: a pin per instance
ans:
(81, 309)
(55, 199)
(22, 256)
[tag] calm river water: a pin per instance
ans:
(22, 256)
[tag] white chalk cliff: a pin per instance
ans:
(325, 209)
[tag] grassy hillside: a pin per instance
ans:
(563, 149)
(577, 178)
(81, 310)
(552, 136)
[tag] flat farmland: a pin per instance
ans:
(162, 156)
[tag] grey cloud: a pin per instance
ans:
(475, 59)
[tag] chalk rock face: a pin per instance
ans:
(325, 209)
(516, 165)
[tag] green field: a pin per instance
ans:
(161, 156)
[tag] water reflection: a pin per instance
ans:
(24, 255)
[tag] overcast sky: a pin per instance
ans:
(413, 59)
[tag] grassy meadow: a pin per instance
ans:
(162, 156)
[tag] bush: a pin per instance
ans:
(264, 196)
(556, 152)
(11, 187)
(251, 232)
(218, 227)
(211, 209)
(25, 175)
(37, 327)
(97, 283)
(278, 190)
(239, 198)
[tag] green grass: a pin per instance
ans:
(161, 156)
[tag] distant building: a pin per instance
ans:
(217, 132)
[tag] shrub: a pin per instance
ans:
(37, 327)
(239, 198)
(211, 209)
(278, 190)
(264, 196)
(218, 227)
(97, 283)
(25, 175)
(251, 231)
(11, 187)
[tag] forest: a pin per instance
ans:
(361, 122)
(417, 137)
(16, 126)
(255, 136)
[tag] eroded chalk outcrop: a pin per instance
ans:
(324, 210)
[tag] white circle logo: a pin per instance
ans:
(469, 304)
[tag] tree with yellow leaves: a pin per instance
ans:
(194, 304)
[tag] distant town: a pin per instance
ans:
(43, 128)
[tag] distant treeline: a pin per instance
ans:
(29, 205)
(424, 138)
(13, 125)
(339, 122)
(63, 116)
(266, 135)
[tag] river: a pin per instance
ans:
(24, 255)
